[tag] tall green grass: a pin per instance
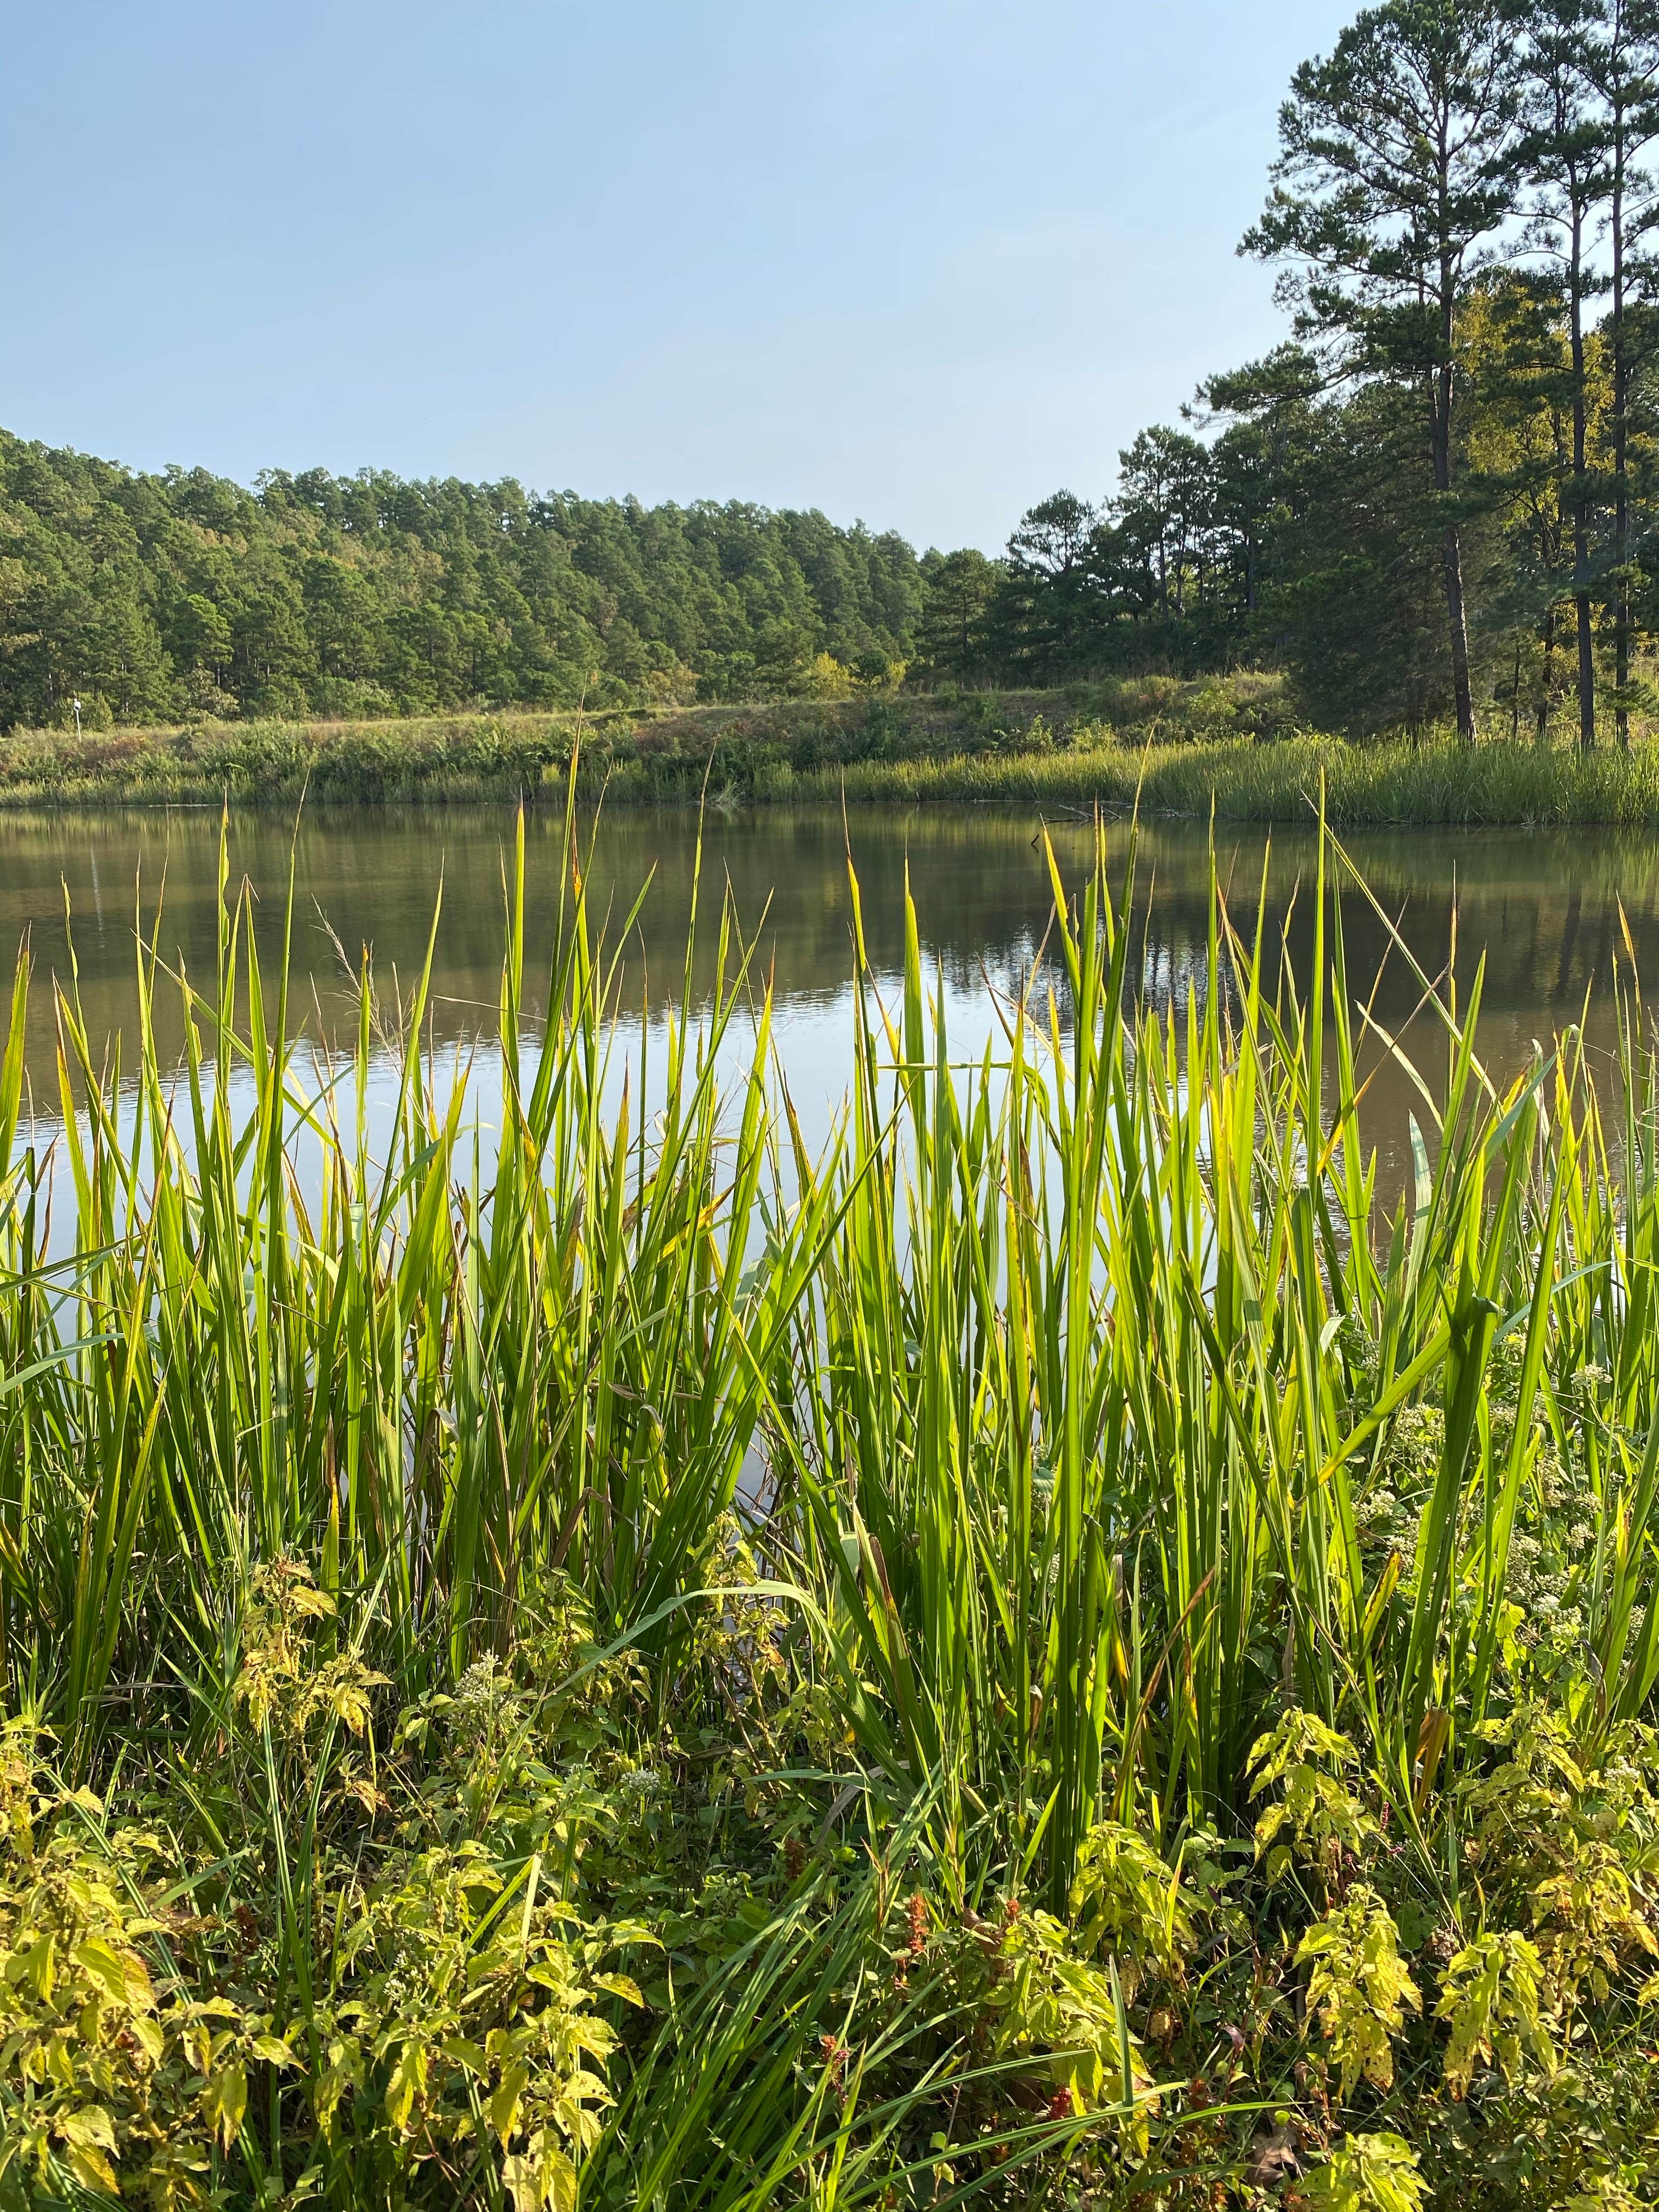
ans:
(1076, 1413)
(1229, 748)
(1434, 781)
(643, 754)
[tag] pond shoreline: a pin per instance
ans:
(1178, 751)
(412, 1715)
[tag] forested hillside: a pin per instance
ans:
(155, 597)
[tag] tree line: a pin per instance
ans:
(148, 596)
(1437, 499)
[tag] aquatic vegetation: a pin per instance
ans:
(1028, 1655)
(1432, 780)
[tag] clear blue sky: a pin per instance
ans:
(921, 262)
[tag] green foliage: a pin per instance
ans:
(1042, 2001)
(1126, 1901)
(1367, 2173)
(279, 1685)
(1045, 1998)
(1436, 782)
(1490, 1994)
(1360, 1988)
(1307, 1760)
(670, 1671)
(112, 2070)
(1018, 743)
(152, 597)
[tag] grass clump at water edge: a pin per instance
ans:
(1432, 781)
(1175, 1723)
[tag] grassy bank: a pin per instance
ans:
(1436, 782)
(1169, 1724)
(1232, 744)
(746, 754)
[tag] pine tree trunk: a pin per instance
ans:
(1440, 407)
(1547, 679)
(1620, 483)
(1515, 697)
(1586, 671)
(1462, 691)
(1581, 504)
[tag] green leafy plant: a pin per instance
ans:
(1366, 2173)
(1491, 1997)
(1361, 1988)
(532, 1673)
(1306, 1760)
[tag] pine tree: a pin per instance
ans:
(1391, 175)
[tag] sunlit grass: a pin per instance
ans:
(1435, 782)
(1103, 1408)
(1227, 747)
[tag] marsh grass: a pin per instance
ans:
(1432, 781)
(377, 1542)
(1227, 747)
(678, 756)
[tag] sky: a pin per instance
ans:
(919, 263)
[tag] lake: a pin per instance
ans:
(1544, 908)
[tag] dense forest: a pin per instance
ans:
(1437, 501)
(154, 596)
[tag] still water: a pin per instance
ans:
(1544, 908)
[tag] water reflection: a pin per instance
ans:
(1543, 907)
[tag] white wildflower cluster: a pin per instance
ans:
(1358, 1349)
(481, 1696)
(1587, 1384)
(1386, 1525)
(480, 1685)
(1554, 1539)
(1389, 1510)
